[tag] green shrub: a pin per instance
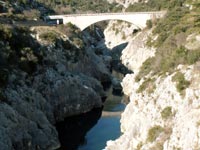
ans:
(3, 77)
(149, 24)
(28, 61)
(31, 14)
(139, 146)
(24, 39)
(181, 83)
(2, 96)
(193, 56)
(17, 50)
(5, 32)
(78, 42)
(155, 5)
(149, 42)
(28, 55)
(49, 36)
(166, 112)
(116, 31)
(147, 85)
(123, 36)
(79, 6)
(145, 68)
(71, 26)
(167, 58)
(70, 30)
(167, 24)
(154, 132)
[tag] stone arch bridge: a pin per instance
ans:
(84, 20)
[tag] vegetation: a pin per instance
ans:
(123, 36)
(49, 36)
(149, 24)
(17, 49)
(147, 85)
(166, 112)
(3, 77)
(181, 82)
(154, 132)
(78, 42)
(37, 9)
(154, 5)
(172, 32)
(2, 96)
(139, 146)
(79, 6)
(74, 34)
(31, 14)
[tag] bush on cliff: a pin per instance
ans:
(166, 112)
(172, 32)
(18, 49)
(181, 82)
(3, 77)
(48, 36)
(155, 5)
(154, 132)
(78, 6)
(148, 85)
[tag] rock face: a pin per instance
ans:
(164, 118)
(118, 32)
(64, 83)
(145, 111)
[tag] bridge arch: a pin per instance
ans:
(135, 25)
(89, 22)
(85, 20)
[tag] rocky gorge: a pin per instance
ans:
(49, 74)
(163, 112)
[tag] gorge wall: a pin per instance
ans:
(160, 114)
(50, 73)
(46, 76)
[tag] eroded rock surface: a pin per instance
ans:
(66, 81)
(163, 118)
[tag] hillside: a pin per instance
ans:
(40, 8)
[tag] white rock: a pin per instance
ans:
(182, 129)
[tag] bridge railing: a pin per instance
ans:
(103, 14)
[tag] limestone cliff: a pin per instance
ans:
(163, 119)
(163, 113)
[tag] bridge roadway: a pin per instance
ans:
(84, 20)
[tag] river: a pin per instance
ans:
(91, 130)
(107, 127)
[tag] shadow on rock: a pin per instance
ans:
(72, 131)
(116, 62)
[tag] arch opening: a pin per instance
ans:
(137, 27)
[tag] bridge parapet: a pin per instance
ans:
(102, 14)
(84, 20)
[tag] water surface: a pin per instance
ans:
(107, 128)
